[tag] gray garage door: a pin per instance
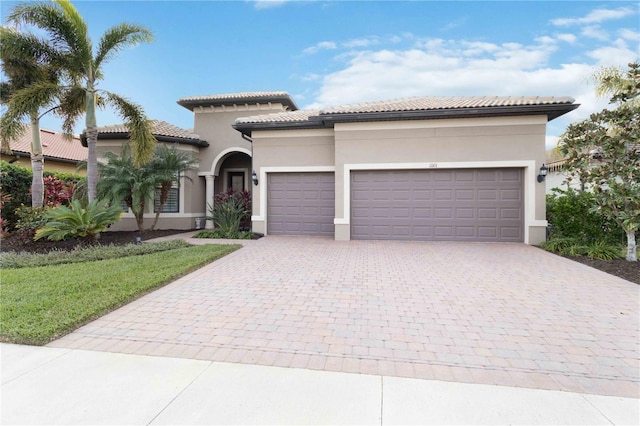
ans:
(300, 204)
(445, 205)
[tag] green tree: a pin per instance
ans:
(21, 64)
(70, 49)
(604, 152)
(170, 164)
(122, 181)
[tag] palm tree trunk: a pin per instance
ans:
(37, 163)
(92, 139)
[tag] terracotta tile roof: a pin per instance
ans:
(446, 102)
(54, 146)
(240, 98)
(160, 128)
(413, 104)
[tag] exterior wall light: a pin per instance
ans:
(543, 173)
(254, 178)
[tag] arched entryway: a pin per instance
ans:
(231, 169)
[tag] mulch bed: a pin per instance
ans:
(621, 268)
(118, 238)
(630, 271)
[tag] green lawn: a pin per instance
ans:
(40, 304)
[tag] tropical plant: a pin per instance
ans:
(170, 164)
(227, 217)
(121, 181)
(23, 66)
(604, 152)
(57, 191)
(71, 50)
(78, 221)
(242, 197)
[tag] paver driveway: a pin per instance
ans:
(490, 313)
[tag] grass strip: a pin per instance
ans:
(85, 254)
(42, 304)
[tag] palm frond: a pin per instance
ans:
(25, 101)
(117, 38)
(141, 137)
(65, 27)
(72, 106)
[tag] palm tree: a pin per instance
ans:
(169, 164)
(121, 181)
(71, 50)
(23, 68)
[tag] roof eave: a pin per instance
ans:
(326, 120)
(552, 111)
(192, 104)
(159, 138)
(247, 128)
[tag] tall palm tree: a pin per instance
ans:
(73, 52)
(22, 65)
(170, 164)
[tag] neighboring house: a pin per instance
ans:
(557, 178)
(432, 168)
(60, 154)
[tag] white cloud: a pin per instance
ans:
(595, 17)
(551, 142)
(617, 54)
(629, 34)
(361, 42)
(569, 38)
(545, 40)
(323, 45)
(594, 31)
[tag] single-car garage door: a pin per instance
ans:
(300, 203)
(442, 204)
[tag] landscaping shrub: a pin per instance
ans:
(604, 251)
(242, 197)
(16, 182)
(28, 221)
(571, 214)
(78, 221)
(85, 254)
(57, 191)
(231, 214)
(216, 233)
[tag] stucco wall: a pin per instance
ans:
(445, 143)
(291, 150)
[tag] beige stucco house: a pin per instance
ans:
(430, 168)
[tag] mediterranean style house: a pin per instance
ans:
(424, 168)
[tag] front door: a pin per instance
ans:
(235, 181)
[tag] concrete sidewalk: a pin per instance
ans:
(64, 386)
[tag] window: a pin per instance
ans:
(173, 201)
(172, 205)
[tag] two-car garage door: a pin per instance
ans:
(437, 204)
(432, 204)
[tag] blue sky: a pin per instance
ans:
(336, 52)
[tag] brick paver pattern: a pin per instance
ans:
(506, 314)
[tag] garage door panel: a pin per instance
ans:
(465, 205)
(300, 203)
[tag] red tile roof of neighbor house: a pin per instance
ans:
(54, 146)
